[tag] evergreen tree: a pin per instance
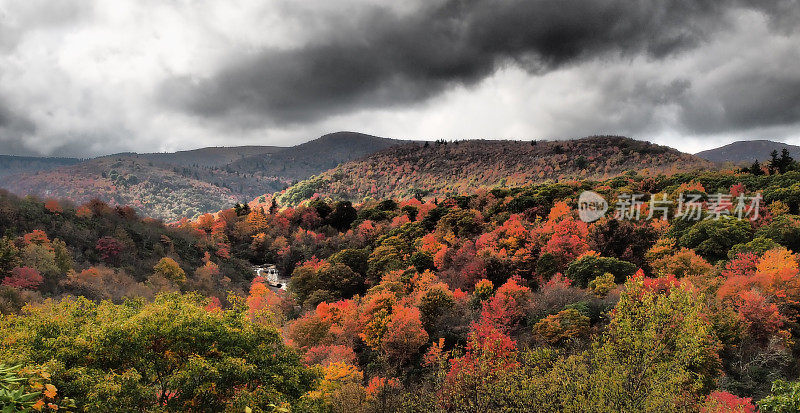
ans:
(774, 162)
(786, 161)
(755, 169)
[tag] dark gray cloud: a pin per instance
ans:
(12, 121)
(744, 101)
(13, 131)
(387, 60)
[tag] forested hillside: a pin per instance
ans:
(97, 250)
(170, 186)
(10, 164)
(498, 300)
(153, 190)
(459, 167)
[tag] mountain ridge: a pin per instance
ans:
(446, 168)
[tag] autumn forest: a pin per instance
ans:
(469, 298)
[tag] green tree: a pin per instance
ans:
(327, 282)
(774, 162)
(659, 354)
(356, 259)
(590, 267)
(9, 256)
(410, 211)
(784, 398)
(755, 169)
(342, 216)
(41, 257)
(382, 260)
(171, 354)
(323, 209)
(759, 245)
(713, 238)
(784, 230)
(63, 258)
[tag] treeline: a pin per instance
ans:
(778, 164)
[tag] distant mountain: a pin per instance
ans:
(210, 157)
(747, 151)
(301, 161)
(442, 168)
(10, 164)
(186, 184)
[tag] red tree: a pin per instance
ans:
(109, 249)
(24, 278)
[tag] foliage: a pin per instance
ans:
(659, 354)
(27, 389)
(169, 269)
(712, 239)
(24, 278)
(589, 267)
(558, 328)
(335, 281)
(404, 334)
(406, 171)
(683, 263)
(495, 300)
(785, 397)
(602, 285)
(724, 402)
(170, 354)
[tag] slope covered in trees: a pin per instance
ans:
(102, 252)
(10, 165)
(185, 184)
(459, 167)
(153, 190)
(499, 300)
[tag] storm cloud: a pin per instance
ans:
(149, 76)
(388, 60)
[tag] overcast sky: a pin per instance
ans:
(89, 77)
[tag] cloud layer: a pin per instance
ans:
(87, 78)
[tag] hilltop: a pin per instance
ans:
(301, 161)
(747, 151)
(443, 168)
(210, 157)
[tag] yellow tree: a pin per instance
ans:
(169, 269)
